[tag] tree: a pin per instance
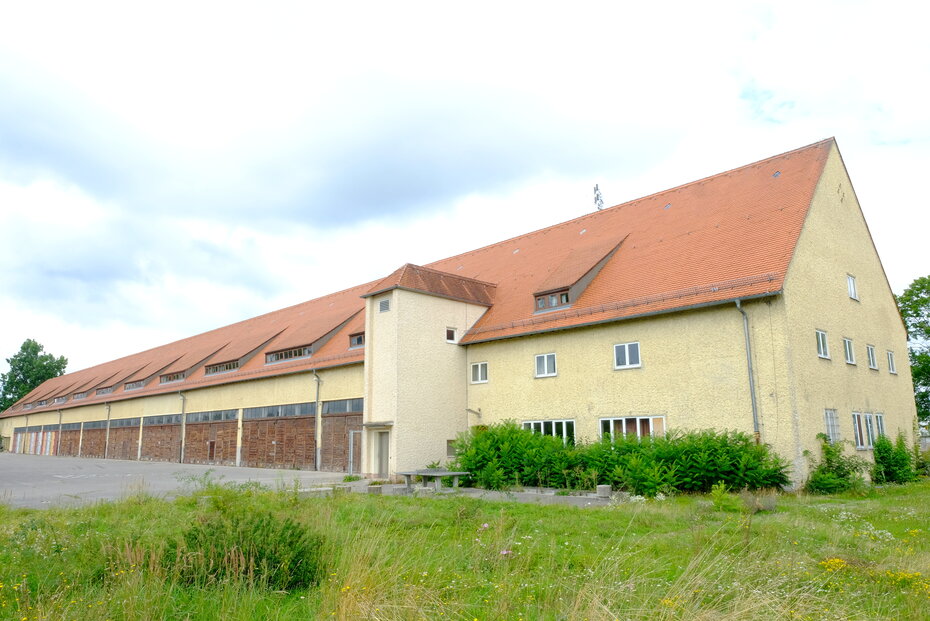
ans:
(28, 368)
(914, 304)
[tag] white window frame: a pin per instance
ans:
(551, 427)
(849, 351)
(638, 422)
(892, 368)
(858, 430)
(823, 345)
(625, 347)
(548, 371)
(864, 429)
(870, 352)
(832, 424)
(454, 337)
(479, 367)
(879, 424)
(851, 287)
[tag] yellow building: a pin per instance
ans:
(753, 300)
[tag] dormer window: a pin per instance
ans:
(134, 385)
(171, 377)
(80, 395)
(41, 403)
(104, 391)
(223, 367)
(552, 300)
(288, 354)
(356, 340)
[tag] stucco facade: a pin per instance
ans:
(711, 305)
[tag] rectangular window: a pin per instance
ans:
(891, 367)
(134, 385)
(545, 365)
(171, 377)
(564, 429)
(858, 430)
(851, 286)
(356, 340)
(223, 367)
(869, 431)
(626, 356)
(60, 399)
(552, 300)
(287, 354)
(80, 395)
(870, 351)
(479, 373)
(104, 391)
(823, 348)
(832, 425)
(849, 351)
(450, 335)
(384, 305)
(632, 426)
(880, 423)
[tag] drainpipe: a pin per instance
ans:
(318, 432)
(58, 444)
(752, 381)
(106, 440)
(183, 425)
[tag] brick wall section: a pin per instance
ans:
(199, 435)
(161, 443)
(94, 443)
(335, 442)
(279, 443)
(70, 440)
(124, 443)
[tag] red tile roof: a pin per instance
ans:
(711, 241)
(442, 284)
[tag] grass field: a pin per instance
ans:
(689, 557)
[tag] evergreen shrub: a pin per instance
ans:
(835, 472)
(893, 462)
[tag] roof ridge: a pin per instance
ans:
(445, 273)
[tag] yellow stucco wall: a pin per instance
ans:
(416, 378)
(835, 243)
(693, 372)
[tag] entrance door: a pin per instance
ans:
(384, 444)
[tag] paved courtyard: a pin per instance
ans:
(38, 481)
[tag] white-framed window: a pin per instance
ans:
(626, 356)
(450, 335)
(384, 305)
(223, 367)
(288, 354)
(564, 429)
(545, 365)
(479, 373)
(632, 426)
(823, 347)
(552, 300)
(891, 366)
(832, 425)
(863, 430)
(870, 351)
(849, 351)
(880, 423)
(851, 286)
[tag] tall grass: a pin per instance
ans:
(843, 557)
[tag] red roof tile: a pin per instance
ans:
(434, 282)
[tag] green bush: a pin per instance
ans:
(504, 455)
(836, 472)
(260, 549)
(893, 462)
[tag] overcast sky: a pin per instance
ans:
(169, 168)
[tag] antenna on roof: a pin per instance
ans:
(598, 199)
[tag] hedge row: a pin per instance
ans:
(506, 455)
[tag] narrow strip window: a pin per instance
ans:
(891, 366)
(880, 423)
(849, 351)
(626, 356)
(858, 430)
(545, 365)
(823, 348)
(870, 351)
(851, 287)
(832, 424)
